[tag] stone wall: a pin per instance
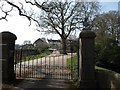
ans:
(108, 79)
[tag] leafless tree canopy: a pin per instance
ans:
(61, 17)
(107, 26)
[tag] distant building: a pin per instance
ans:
(27, 42)
(54, 43)
(17, 46)
(27, 46)
(40, 41)
(41, 44)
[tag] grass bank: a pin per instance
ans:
(72, 63)
(32, 57)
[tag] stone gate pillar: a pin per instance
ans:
(87, 67)
(8, 44)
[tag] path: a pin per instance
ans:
(31, 84)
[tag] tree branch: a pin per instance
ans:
(21, 13)
(53, 25)
(5, 12)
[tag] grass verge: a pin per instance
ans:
(72, 63)
(32, 57)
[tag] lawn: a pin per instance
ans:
(72, 63)
(32, 57)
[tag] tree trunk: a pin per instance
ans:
(64, 46)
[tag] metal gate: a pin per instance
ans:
(53, 66)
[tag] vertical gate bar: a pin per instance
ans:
(32, 68)
(57, 73)
(15, 62)
(41, 67)
(59, 66)
(32, 65)
(71, 67)
(28, 70)
(31, 62)
(67, 77)
(58, 69)
(18, 65)
(45, 68)
(60, 59)
(62, 67)
(78, 68)
(53, 67)
(71, 60)
(69, 70)
(24, 65)
(34, 60)
(20, 60)
(78, 62)
(36, 67)
(67, 66)
(49, 69)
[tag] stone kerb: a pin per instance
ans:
(8, 44)
(87, 71)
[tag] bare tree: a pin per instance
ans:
(61, 17)
(107, 26)
(3, 11)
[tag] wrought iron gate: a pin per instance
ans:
(53, 66)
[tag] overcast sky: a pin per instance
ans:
(20, 25)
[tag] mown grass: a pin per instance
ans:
(101, 68)
(32, 57)
(72, 63)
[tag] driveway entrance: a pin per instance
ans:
(53, 66)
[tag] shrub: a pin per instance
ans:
(108, 55)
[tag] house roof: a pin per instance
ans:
(50, 40)
(40, 40)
